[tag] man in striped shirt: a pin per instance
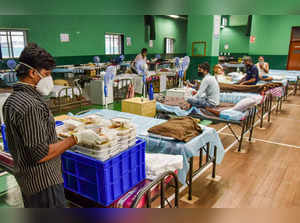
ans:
(31, 135)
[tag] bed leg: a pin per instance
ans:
(241, 139)
(162, 194)
(191, 179)
(176, 204)
(200, 158)
(262, 114)
(214, 163)
(252, 124)
(270, 109)
(148, 199)
(207, 153)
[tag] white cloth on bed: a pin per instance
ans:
(157, 164)
(55, 92)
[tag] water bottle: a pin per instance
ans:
(151, 96)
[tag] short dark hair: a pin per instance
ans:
(205, 66)
(144, 50)
(36, 57)
(247, 58)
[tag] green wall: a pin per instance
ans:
(171, 28)
(236, 38)
(87, 34)
(272, 38)
(201, 28)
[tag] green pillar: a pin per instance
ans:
(202, 28)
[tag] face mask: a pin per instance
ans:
(45, 85)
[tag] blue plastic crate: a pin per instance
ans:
(4, 138)
(104, 182)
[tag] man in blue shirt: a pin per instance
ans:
(252, 74)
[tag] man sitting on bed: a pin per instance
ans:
(263, 69)
(208, 94)
(252, 76)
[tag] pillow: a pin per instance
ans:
(244, 104)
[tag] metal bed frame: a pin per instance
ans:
(246, 125)
(202, 165)
(63, 101)
(266, 108)
(79, 201)
(120, 93)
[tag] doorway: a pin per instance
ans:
(294, 51)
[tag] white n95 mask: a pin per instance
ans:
(45, 85)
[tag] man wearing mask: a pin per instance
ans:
(251, 77)
(263, 69)
(208, 94)
(31, 135)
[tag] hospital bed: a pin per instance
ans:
(207, 145)
(63, 98)
(121, 87)
(245, 121)
(292, 76)
(277, 93)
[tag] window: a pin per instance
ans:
(114, 44)
(224, 22)
(12, 43)
(169, 48)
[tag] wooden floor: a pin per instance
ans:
(268, 175)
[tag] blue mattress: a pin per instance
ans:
(229, 115)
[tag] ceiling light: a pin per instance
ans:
(174, 16)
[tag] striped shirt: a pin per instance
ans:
(30, 129)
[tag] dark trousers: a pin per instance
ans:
(52, 197)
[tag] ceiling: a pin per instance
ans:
(151, 7)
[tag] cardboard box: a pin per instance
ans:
(139, 107)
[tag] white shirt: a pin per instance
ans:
(140, 57)
(209, 89)
(261, 71)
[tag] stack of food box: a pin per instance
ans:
(116, 135)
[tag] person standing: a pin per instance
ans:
(31, 135)
(141, 56)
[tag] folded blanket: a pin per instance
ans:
(249, 88)
(181, 128)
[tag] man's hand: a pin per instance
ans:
(88, 137)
